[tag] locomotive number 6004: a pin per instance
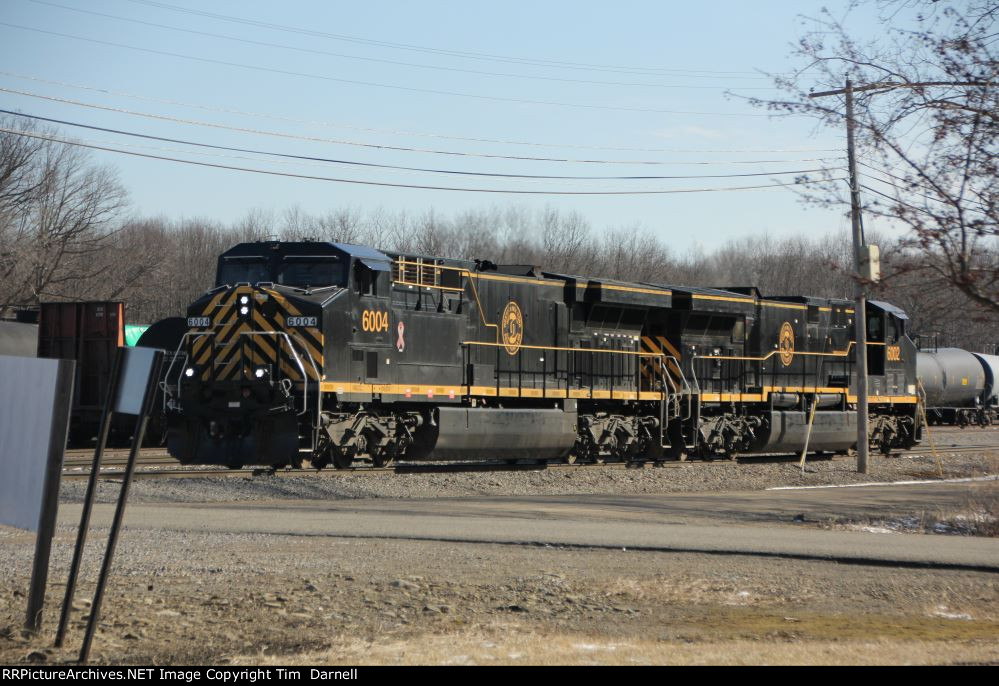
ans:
(374, 321)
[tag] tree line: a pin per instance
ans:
(66, 233)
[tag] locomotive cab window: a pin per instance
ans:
(311, 272)
(896, 329)
(371, 282)
(875, 327)
(243, 270)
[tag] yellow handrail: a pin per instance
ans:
(571, 350)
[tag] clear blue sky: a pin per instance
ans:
(705, 48)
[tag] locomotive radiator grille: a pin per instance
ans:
(231, 351)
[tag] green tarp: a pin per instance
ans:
(133, 332)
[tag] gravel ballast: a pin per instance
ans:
(690, 477)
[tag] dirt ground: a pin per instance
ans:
(194, 598)
(182, 597)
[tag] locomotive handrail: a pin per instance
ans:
(834, 353)
(298, 361)
(181, 350)
(683, 378)
(420, 265)
(520, 373)
(571, 350)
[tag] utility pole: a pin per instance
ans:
(860, 309)
(860, 256)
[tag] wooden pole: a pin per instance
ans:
(808, 432)
(860, 310)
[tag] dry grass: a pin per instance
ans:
(502, 645)
(698, 591)
(978, 516)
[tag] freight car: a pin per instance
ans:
(344, 354)
(961, 387)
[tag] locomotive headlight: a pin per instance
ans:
(244, 310)
(260, 373)
(245, 300)
(189, 372)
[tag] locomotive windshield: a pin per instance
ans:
(243, 270)
(313, 272)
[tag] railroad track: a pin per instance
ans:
(161, 466)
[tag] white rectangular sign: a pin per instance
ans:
(34, 415)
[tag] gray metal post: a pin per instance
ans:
(88, 503)
(860, 314)
(119, 513)
(50, 495)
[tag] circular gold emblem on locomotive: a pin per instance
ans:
(785, 343)
(512, 328)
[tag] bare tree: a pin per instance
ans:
(927, 121)
(58, 211)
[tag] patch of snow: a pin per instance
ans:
(941, 611)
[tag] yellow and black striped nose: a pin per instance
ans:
(245, 329)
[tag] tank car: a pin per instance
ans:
(342, 354)
(960, 386)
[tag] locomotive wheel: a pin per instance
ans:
(382, 460)
(342, 460)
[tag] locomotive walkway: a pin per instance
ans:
(777, 523)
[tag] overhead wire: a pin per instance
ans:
(694, 73)
(372, 84)
(400, 132)
(357, 163)
(64, 141)
(282, 46)
(361, 144)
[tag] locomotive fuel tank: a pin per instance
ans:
(951, 377)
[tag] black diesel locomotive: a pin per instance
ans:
(342, 354)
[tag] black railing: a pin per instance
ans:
(560, 369)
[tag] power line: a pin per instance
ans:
(422, 134)
(440, 51)
(283, 46)
(401, 168)
(64, 141)
(372, 84)
(334, 141)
